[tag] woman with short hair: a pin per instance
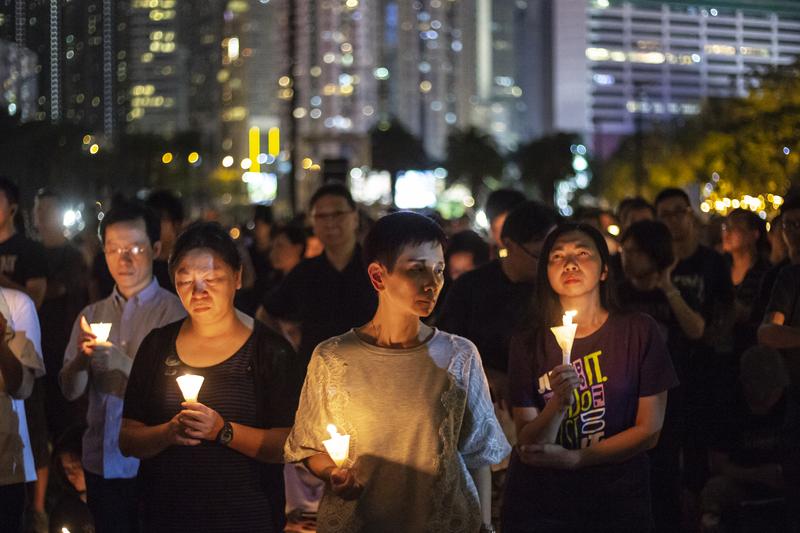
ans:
(202, 460)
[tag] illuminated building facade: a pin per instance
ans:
(18, 79)
(81, 56)
(609, 62)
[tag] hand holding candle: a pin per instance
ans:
(338, 446)
(190, 386)
(565, 335)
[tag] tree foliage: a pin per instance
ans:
(744, 140)
(546, 161)
(472, 156)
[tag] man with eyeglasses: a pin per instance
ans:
(487, 304)
(701, 277)
(130, 235)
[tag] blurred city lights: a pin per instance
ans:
(166, 158)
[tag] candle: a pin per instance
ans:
(101, 330)
(190, 386)
(338, 446)
(565, 335)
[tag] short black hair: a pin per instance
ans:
(529, 221)
(470, 242)
(10, 189)
(131, 211)
(632, 203)
(393, 232)
(205, 235)
(654, 239)
(263, 213)
(502, 201)
(672, 192)
(295, 234)
(753, 223)
(167, 204)
(332, 189)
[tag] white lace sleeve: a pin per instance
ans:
(314, 412)
(481, 441)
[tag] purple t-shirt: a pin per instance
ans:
(624, 360)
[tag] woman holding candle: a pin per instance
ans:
(583, 427)
(201, 460)
(413, 401)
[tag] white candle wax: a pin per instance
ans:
(338, 446)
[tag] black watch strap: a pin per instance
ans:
(225, 434)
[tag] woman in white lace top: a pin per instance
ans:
(413, 399)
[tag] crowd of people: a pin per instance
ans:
(427, 343)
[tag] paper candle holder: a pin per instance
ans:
(338, 446)
(101, 331)
(190, 386)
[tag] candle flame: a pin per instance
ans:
(333, 431)
(568, 316)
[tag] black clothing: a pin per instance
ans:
(486, 307)
(323, 300)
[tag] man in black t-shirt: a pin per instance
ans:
(703, 278)
(487, 304)
(331, 293)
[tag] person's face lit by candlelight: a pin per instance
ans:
(574, 266)
(412, 286)
(129, 255)
(206, 284)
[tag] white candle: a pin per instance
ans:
(101, 330)
(190, 386)
(338, 446)
(565, 335)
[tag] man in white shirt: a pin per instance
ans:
(130, 235)
(20, 363)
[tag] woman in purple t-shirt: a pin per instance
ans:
(583, 427)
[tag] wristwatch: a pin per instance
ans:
(225, 434)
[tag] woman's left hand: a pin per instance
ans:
(200, 421)
(549, 456)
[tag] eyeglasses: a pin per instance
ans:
(529, 253)
(333, 216)
(677, 213)
(133, 251)
(793, 225)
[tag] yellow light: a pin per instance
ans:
(284, 81)
(254, 137)
(235, 233)
(613, 229)
(425, 86)
(704, 207)
(233, 48)
(93, 149)
(87, 139)
(307, 162)
(315, 167)
(777, 200)
(274, 142)
(193, 158)
(166, 158)
(503, 252)
(351, 4)
(246, 163)
(736, 204)
(227, 161)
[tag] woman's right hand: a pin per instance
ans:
(344, 484)
(563, 381)
(176, 433)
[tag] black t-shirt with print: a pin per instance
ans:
(22, 259)
(626, 359)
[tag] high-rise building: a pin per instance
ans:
(609, 62)
(81, 61)
(18, 69)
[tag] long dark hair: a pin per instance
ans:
(547, 305)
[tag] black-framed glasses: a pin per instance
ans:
(333, 216)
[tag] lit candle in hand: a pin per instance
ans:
(565, 335)
(338, 446)
(101, 331)
(190, 386)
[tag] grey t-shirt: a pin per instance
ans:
(417, 419)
